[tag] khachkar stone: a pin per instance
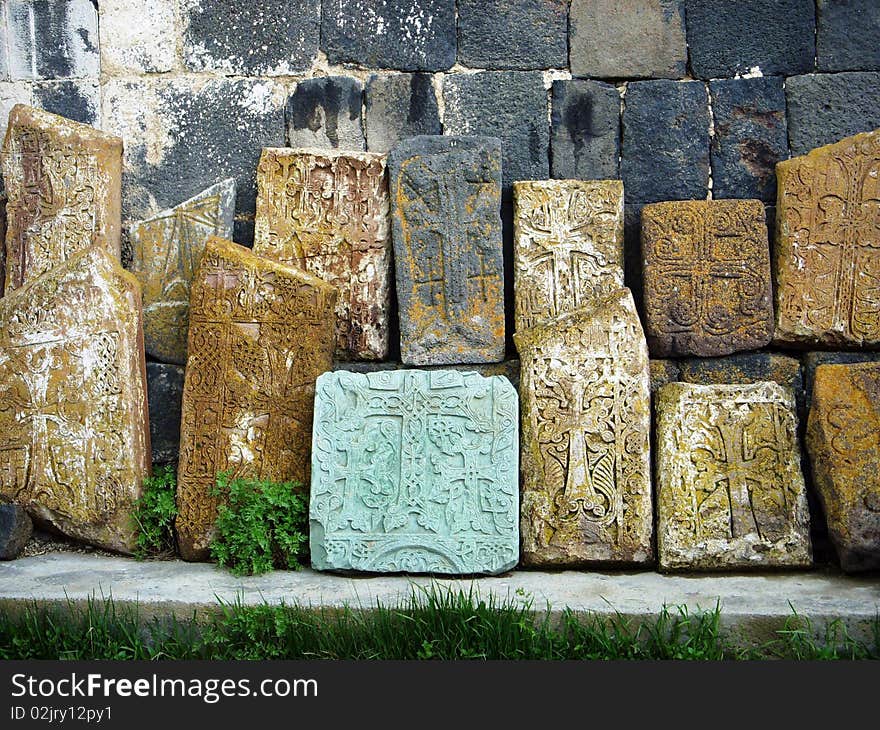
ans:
(445, 204)
(569, 245)
(730, 493)
(73, 404)
(2, 243)
(64, 182)
(706, 271)
(828, 245)
(327, 212)
(165, 252)
(414, 471)
(586, 415)
(260, 333)
(842, 440)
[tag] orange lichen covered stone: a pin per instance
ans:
(569, 245)
(707, 285)
(260, 333)
(827, 254)
(64, 183)
(326, 211)
(843, 440)
(74, 438)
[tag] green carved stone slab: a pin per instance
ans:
(415, 471)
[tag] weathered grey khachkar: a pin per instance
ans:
(843, 440)
(260, 333)
(569, 245)
(586, 415)
(64, 182)
(827, 256)
(326, 211)
(730, 493)
(445, 204)
(166, 249)
(414, 471)
(74, 438)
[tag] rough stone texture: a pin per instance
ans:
(260, 334)
(326, 112)
(662, 373)
(844, 449)
(706, 271)
(825, 108)
(408, 35)
(812, 360)
(182, 135)
(165, 254)
(752, 367)
(728, 38)
(665, 148)
(130, 45)
(2, 243)
(327, 213)
(415, 472)
(585, 457)
(164, 394)
(12, 93)
(519, 34)
(445, 199)
(585, 130)
(569, 246)
(751, 136)
(628, 38)
(78, 100)
(16, 529)
(510, 105)
(73, 401)
(508, 369)
(827, 252)
(400, 106)
(52, 40)
(64, 182)
(846, 35)
(268, 38)
(730, 494)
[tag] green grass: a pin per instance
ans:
(433, 624)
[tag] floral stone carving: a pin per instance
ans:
(730, 493)
(415, 471)
(569, 245)
(260, 333)
(828, 244)
(166, 250)
(64, 183)
(327, 212)
(586, 415)
(73, 404)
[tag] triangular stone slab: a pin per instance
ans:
(569, 245)
(327, 212)
(827, 253)
(585, 459)
(64, 183)
(166, 249)
(414, 471)
(260, 333)
(74, 438)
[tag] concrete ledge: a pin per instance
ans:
(753, 606)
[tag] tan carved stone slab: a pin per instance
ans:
(843, 440)
(260, 334)
(74, 437)
(64, 182)
(586, 415)
(569, 245)
(326, 211)
(2, 243)
(706, 271)
(828, 244)
(166, 249)
(730, 493)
